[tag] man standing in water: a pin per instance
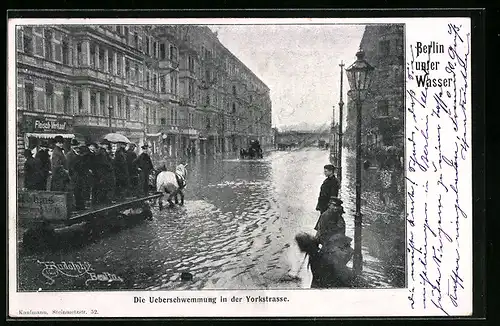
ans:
(329, 189)
(143, 162)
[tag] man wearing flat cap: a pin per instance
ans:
(329, 188)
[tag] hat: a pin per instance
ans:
(145, 146)
(105, 142)
(58, 139)
(27, 153)
(330, 167)
(132, 144)
(92, 144)
(75, 142)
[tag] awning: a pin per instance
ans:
(158, 134)
(48, 136)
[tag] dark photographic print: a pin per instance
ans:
(194, 157)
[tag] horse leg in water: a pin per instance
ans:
(169, 199)
(160, 202)
(182, 197)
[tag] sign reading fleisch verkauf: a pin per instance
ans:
(40, 124)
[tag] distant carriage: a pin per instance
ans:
(254, 150)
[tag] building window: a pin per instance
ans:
(102, 104)
(162, 51)
(163, 85)
(127, 70)
(111, 64)
(28, 40)
(67, 100)
(173, 83)
(47, 37)
(79, 54)
(155, 83)
(385, 47)
(191, 89)
(118, 65)
(29, 95)
(125, 33)
(119, 107)
(234, 90)
(92, 57)
(80, 102)
(93, 103)
(136, 112)
(191, 64)
(66, 59)
(49, 97)
(148, 52)
(136, 40)
(147, 116)
(234, 108)
(155, 49)
(101, 59)
(173, 53)
(207, 99)
(127, 109)
(148, 81)
(163, 121)
(137, 78)
(383, 108)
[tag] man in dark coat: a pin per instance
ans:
(145, 166)
(76, 172)
(87, 158)
(60, 177)
(33, 174)
(121, 171)
(329, 189)
(131, 156)
(43, 156)
(103, 172)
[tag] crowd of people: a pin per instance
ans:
(92, 172)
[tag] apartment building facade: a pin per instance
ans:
(383, 109)
(174, 87)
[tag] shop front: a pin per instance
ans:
(40, 131)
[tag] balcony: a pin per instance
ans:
(98, 121)
(169, 97)
(44, 64)
(168, 64)
(185, 73)
(185, 101)
(99, 75)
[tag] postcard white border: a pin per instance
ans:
(373, 302)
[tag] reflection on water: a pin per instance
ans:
(236, 230)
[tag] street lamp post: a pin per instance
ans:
(341, 117)
(359, 77)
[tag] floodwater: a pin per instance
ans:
(235, 231)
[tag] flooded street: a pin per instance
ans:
(236, 231)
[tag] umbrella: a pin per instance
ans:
(116, 138)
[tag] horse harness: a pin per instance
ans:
(180, 180)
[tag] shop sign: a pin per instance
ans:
(43, 205)
(35, 124)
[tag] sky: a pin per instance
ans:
(300, 65)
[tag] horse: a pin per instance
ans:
(172, 183)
